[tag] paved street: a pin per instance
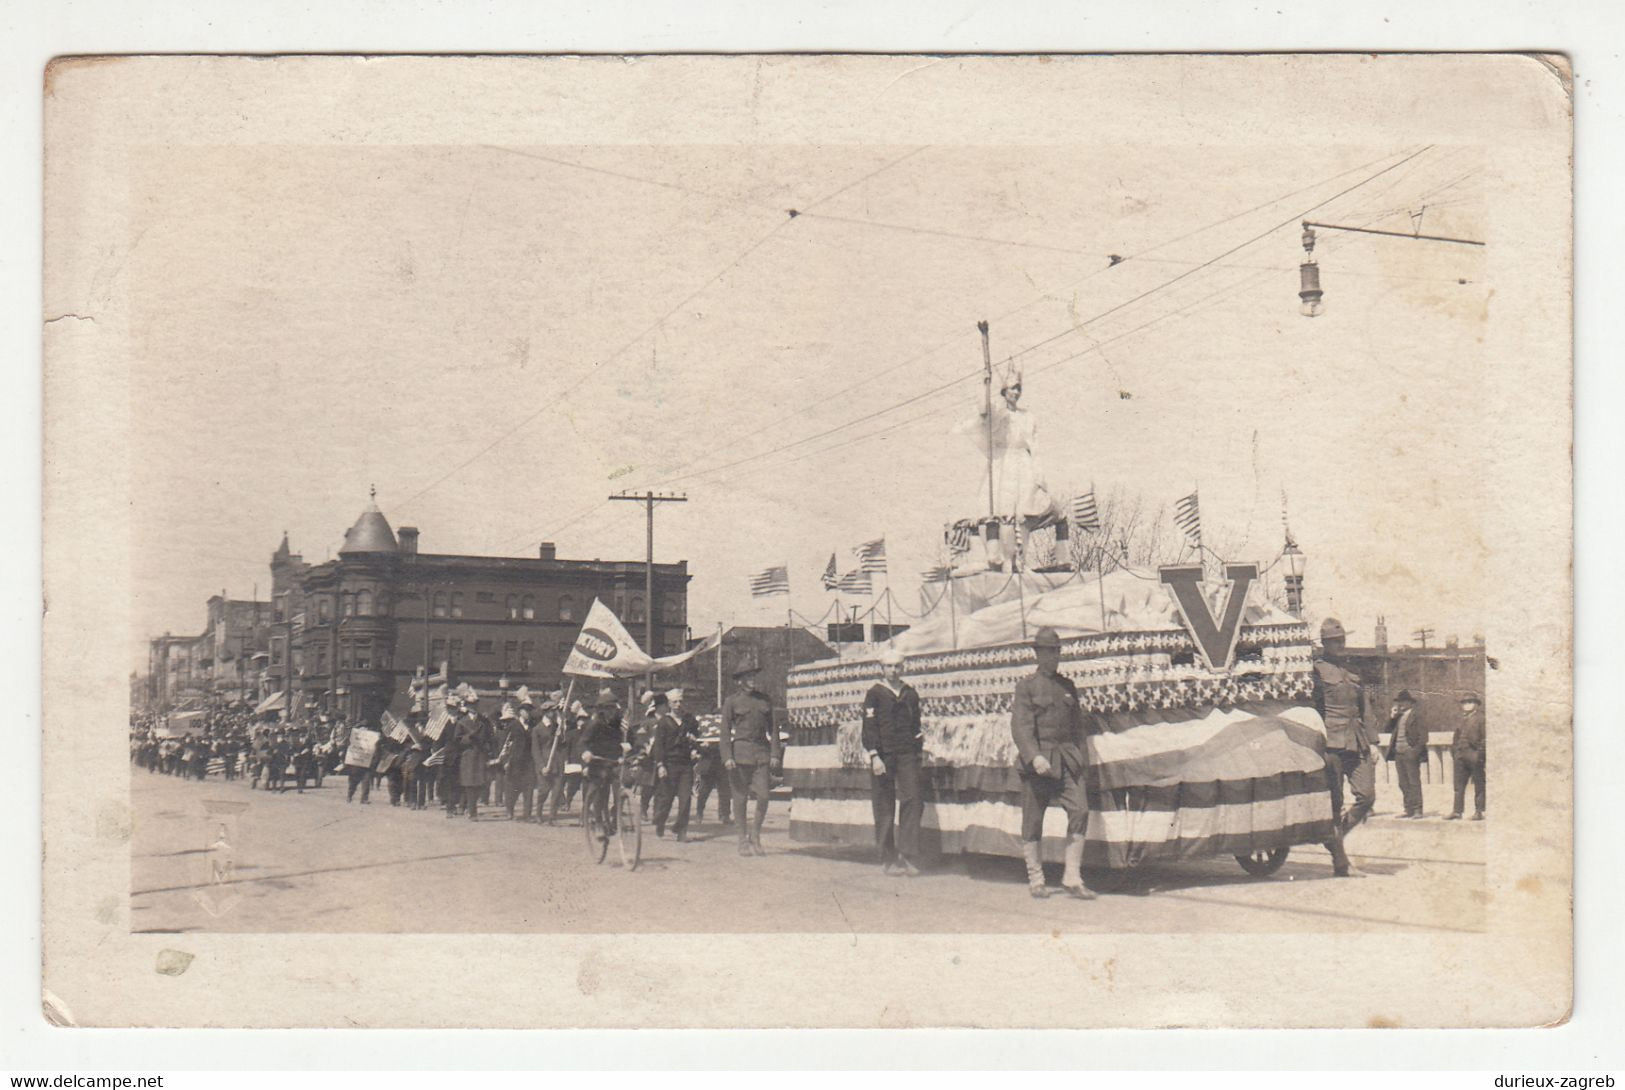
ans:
(314, 863)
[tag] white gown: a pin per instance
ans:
(1019, 487)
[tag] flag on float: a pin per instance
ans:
(937, 574)
(856, 582)
(1188, 517)
(1086, 513)
(830, 580)
(394, 728)
(957, 536)
(770, 581)
(872, 555)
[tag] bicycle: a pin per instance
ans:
(611, 812)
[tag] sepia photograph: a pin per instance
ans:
(824, 513)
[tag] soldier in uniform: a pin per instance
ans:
(676, 735)
(1467, 758)
(1351, 744)
(1047, 725)
(451, 792)
(750, 751)
(894, 740)
(1351, 751)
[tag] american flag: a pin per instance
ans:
(856, 582)
(1188, 517)
(830, 580)
(872, 555)
(937, 574)
(770, 581)
(957, 536)
(1086, 513)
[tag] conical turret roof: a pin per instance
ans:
(371, 532)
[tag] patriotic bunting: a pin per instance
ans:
(830, 580)
(856, 582)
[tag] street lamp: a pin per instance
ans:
(1309, 292)
(1296, 562)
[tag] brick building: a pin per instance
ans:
(349, 634)
(223, 664)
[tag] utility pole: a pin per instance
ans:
(649, 499)
(1422, 636)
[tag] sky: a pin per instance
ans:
(497, 338)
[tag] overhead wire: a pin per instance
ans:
(1051, 339)
(873, 376)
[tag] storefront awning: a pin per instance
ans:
(276, 702)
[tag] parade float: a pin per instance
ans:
(1197, 688)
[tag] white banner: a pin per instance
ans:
(363, 748)
(605, 649)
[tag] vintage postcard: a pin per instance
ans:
(828, 541)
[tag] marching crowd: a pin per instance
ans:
(531, 759)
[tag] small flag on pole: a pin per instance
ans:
(1188, 517)
(1086, 513)
(856, 582)
(830, 580)
(770, 581)
(957, 536)
(872, 555)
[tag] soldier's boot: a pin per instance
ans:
(1341, 866)
(1072, 871)
(1035, 869)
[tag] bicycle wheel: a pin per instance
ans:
(593, 828)
(628, 829)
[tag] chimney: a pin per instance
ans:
(1382, 634)
(408, 538)
(547, 551)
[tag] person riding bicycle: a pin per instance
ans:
(603, 744)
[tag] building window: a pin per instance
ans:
(344, 654)
(484, 597)
(456, 655)
(363, 603)
(513, 607)
(672, 609)
(483, 647)
(456, 605)
(564, 648)
(321, 660)
(383, 603)
(346, 605)
(527, 607)
(438, 654)
(439, 603)
(324, 611)
(510, 655)
(527, 656)
(276, 652)
(634, 611)
(362, 656)
(567, 608)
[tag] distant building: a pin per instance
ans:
(349, 634)
(773, 648)
(1436, 676)
(223, 664)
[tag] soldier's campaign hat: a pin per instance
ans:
(647, 698)
(577, 708)
(1047, 637)
(508, 711)
(524, 695)
(1331, 629)
(1405, 697)
(606, 695)
(555, 698)
(745, 666)
(674, 695)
